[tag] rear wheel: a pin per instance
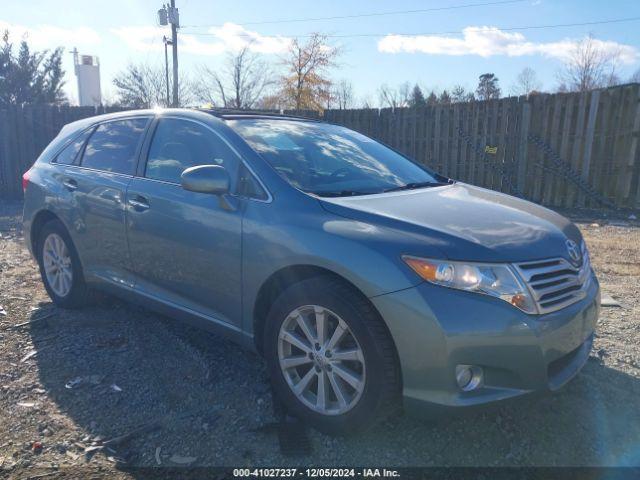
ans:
(60, 267)
(331, 359)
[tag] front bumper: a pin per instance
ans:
(436, 328)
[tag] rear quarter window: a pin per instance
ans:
(69, 154)
(114, 145)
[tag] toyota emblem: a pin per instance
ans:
(574, 251)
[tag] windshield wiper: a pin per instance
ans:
(342, 193)
(414, 185)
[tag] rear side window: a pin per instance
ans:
(68, 155)
(113, 146)
(180, 144)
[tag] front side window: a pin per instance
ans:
(113, 146)
(68, 155)
(248, 186)
(180, 144)
(330, 160)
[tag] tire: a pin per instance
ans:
(78, 294)
(377, 366)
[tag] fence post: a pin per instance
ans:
(523, 147)
(625, 179)
(553, 140)
(6, 176)
(455, 141)
(578, 145)
(561, 187)
(588, 139)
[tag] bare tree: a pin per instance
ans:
(526, 82)
(394, 97)
(241, 83)
(305, 84)
(589, 66)
(366, 102)
(144, 86)
(460, 94)
(343, 94)
(635, 78)
(272, 101)
(138, 86)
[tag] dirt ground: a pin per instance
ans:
(73, 381)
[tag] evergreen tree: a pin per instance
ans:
(488, 87)
(417, 97)
(445, 98)
(30, 77)
(432, 99)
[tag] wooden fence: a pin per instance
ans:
(561, 150)
(24, 133)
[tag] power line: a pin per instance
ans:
(450, 32)
(373, 14)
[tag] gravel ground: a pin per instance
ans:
(71, 380)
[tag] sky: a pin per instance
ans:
(441, 47)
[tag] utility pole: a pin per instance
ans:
(174, 19)
(166, 67)
(168, 14)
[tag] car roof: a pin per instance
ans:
(219, 113)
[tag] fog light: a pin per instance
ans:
(469, 377)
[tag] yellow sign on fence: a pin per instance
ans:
(490, 150)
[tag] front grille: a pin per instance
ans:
(556, 283)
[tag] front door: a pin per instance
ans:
(185, 246)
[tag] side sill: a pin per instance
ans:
(175, 311)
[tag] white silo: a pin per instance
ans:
(87, 68)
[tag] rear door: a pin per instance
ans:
(186, 246)
(98, 186)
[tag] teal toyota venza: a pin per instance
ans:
(365, 280)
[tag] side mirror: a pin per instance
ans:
(212, 179)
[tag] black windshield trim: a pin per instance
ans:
(342, 193)
(417, 185)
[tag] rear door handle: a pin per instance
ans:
(70, 184)
(139, 203)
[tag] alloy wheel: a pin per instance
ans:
(321, 360)
(56, 260)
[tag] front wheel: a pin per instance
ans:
(330, 356)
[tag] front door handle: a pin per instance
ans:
(70, 184)
(139, 203)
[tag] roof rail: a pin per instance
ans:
(233, 112)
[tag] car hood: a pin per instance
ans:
(464, 222)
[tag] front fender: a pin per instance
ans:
(366, 255)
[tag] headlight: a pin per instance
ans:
(497, 280)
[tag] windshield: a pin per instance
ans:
(329, 160)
